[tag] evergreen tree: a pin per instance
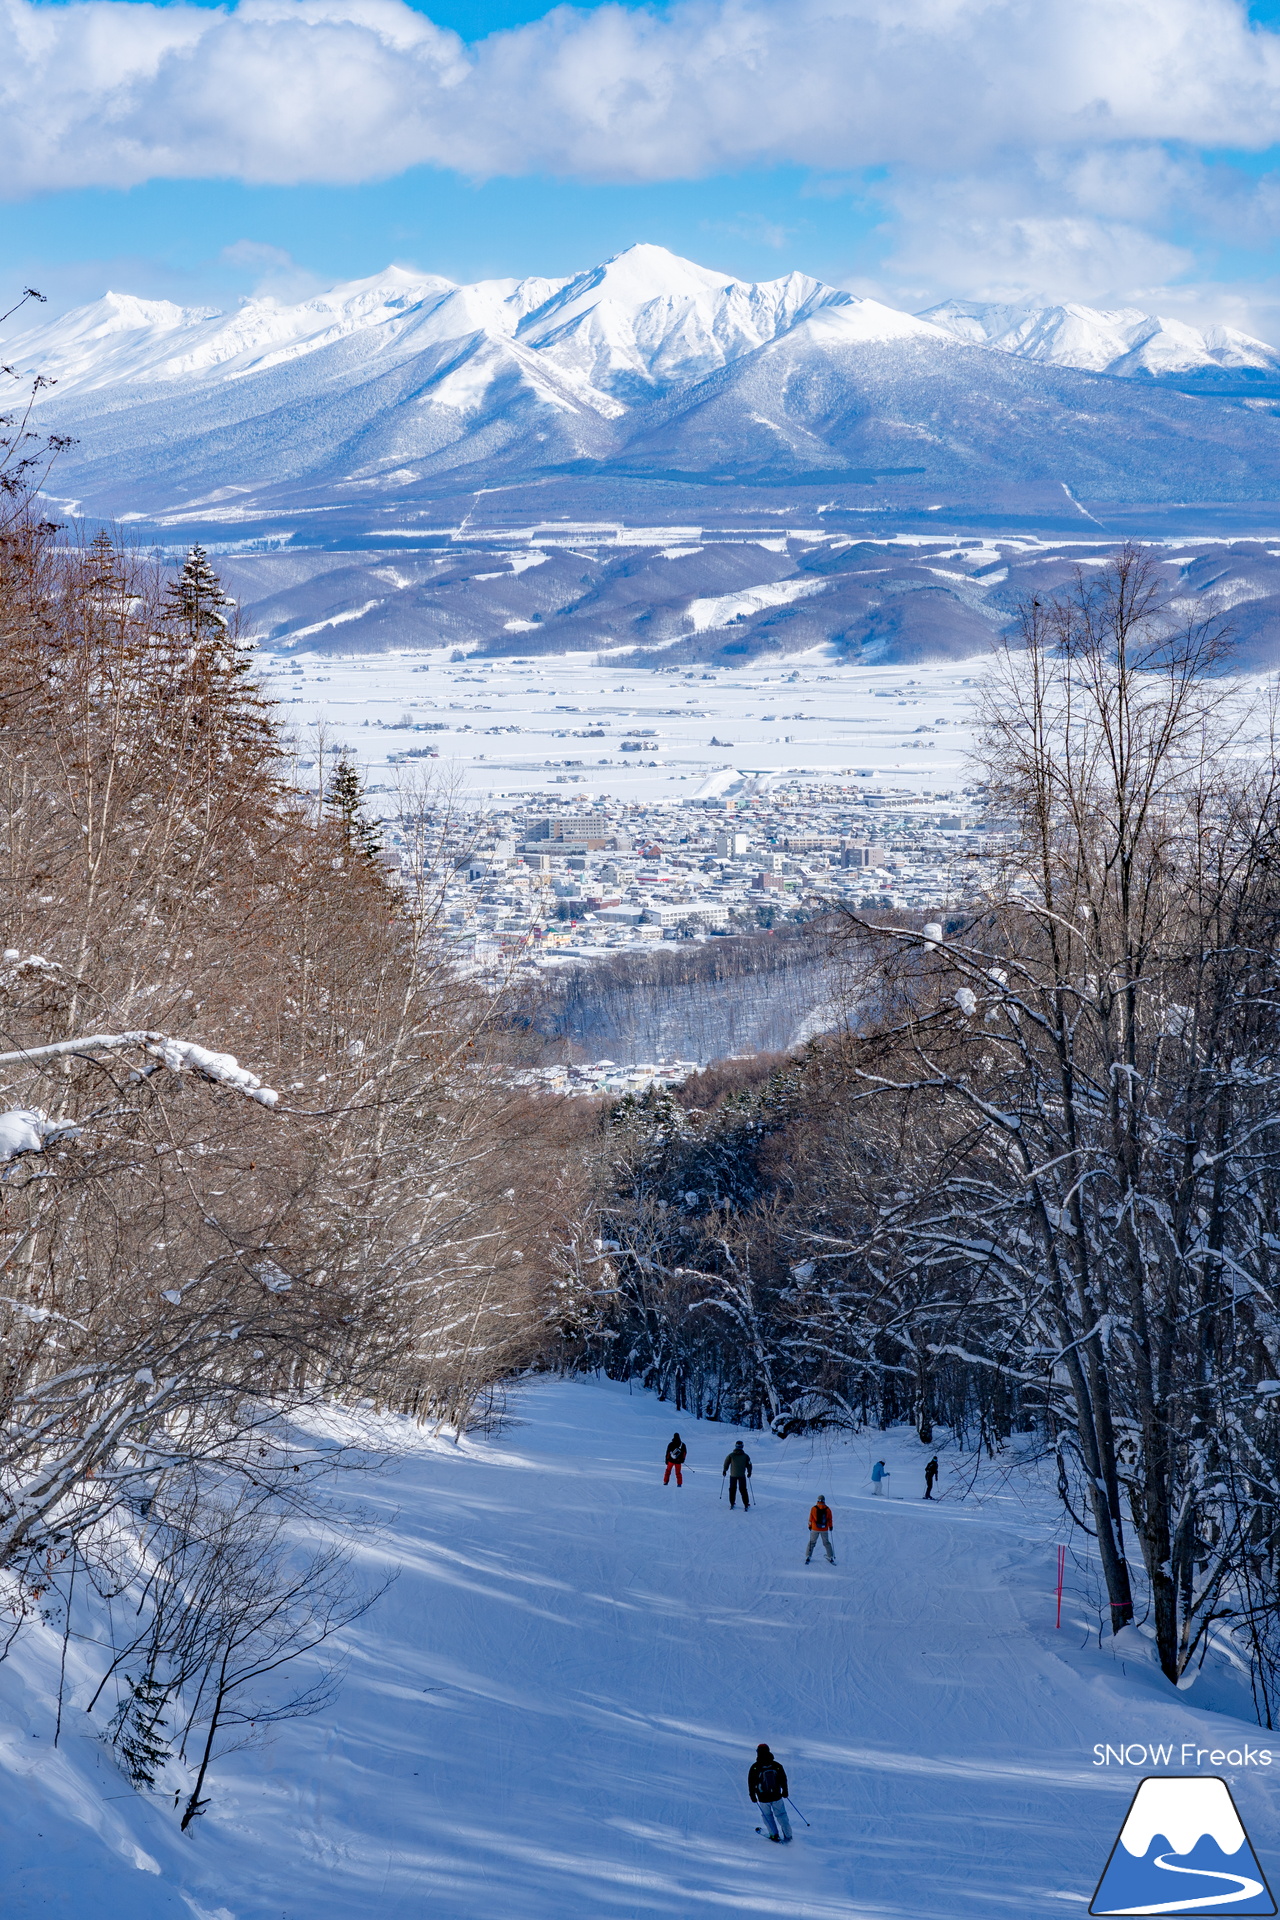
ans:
(203, 616)
(104, 579)
(195, 600)
(345, 801)
(223, 708)
(104, 563)
(137, 1731)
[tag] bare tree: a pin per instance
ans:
(228, 1591)
(1034, 1184)
(1087, 1065)
(173, 1273)
(26, 454)
(265, 1607)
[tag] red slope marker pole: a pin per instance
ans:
(1062, 1567)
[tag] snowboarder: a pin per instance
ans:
(676, 1453)
(821, 1522)
(738, 1467)
(930, 1475)
(767, 1785)
(879, 1474)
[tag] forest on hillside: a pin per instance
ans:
(1032, 1187)
(258, 1154)
(752, 994)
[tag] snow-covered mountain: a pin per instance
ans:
(1122, 341)
(647, 389)
(362, 385)
(640, 323)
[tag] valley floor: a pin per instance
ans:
(550, 1714)
(831, 727)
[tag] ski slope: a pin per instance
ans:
(550, 1715)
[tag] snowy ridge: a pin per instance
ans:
(636, 324)
(1122, 341)
(392, 403)
(639, 322)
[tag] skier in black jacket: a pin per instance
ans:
(676, 1452)
(767, 1785)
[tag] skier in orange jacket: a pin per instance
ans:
(821, 1521)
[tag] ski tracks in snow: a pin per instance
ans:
(551, 1712)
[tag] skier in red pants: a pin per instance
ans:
(676, 1454)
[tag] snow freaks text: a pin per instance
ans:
(1187, 1755)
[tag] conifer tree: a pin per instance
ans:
(138, 1731)
(345, 802)
(225, 708)
(104, 580)
(196, 604)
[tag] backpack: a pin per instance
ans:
(769, 1782)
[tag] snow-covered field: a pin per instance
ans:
(558, 726)
(551, 1713)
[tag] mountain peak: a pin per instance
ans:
(631, 279)
(646, 258)
(123, 310)
(640, 324)
(393, 283)
(1120, 340)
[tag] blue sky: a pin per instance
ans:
(1115, 151)
(172, 238)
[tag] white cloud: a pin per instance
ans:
(1046, 259)
(111, 92)
(275, 274)
(1025, 148)
(1120, 226)
(1039, 229)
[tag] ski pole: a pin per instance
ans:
(795, 1809)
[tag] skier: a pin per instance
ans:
(738, 1467)
(676, 1452)
(767, 1785)
(930, 1475)
(879, 1473)
(821, 1522)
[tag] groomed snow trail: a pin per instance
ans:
(551, 1714)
